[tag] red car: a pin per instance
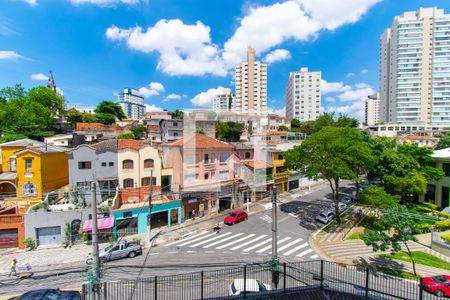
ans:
(235, 217)
(438, 285)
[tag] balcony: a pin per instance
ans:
(11, 219)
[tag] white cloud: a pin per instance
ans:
(10, 55)
(355, 110)
(183, 49)
(105, 2)
(277, 111)
(331, 13)
(330, 99)
(364, 71)
(362, 85)
(205, 99)
(30, 2)
(59, 91)
(277, 55)
(173, 97)
(152, 107)
(348, 75)
(39, 77)
(359, 93)
(333, 87)
(153, 89)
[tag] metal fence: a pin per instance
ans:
(289, 278)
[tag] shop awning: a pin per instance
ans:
(102, 223)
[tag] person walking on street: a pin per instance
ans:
(193, 214)
(12, 267)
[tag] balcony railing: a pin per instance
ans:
(11, 219)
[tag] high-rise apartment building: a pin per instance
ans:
(251, 86)
(372, 110)
(303, 95)
(223, 102)
(132, 103)
(415, 69)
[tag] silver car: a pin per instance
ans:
(325, 217)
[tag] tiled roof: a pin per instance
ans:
(201, 141)
(114, 145)
(153, 127)
(96, 127)
(418, 137)
(270, 133)
(41, 148)
(256, 164)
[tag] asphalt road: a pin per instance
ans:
(244, 243)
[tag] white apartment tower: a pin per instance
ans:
(415, 69)
(132, 103)
(251, 86)
(223, 102)
(303, 95)
(372, 110)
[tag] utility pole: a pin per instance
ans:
(96, 260)
(149, 211)
(275, 265)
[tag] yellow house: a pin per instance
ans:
(280, 172)
(30, 169)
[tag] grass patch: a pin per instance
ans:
(446, 237)
(421, 258)
(397, 273)
(356, 235)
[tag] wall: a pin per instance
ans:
(7, 152)
(172, 157)
(14, 221)
(43, 218)
(33, 175)
(55, 170)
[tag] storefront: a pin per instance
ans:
(198, 203)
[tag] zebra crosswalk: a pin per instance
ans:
(246, 243)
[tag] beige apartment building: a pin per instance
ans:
(251, 86)
(372, 110)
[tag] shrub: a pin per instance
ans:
(422, 228)
(41, 205)
(446, 237)
(29, 243)
(443, 225)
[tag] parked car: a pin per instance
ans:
(438, 285)
(325, 216)
(348, 200)
(119, 250)
(251, 286)
(46, 294)
(235, 217)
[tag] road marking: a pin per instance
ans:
(172, 252)
(153, 253)
(218, 236)
(257, 245)
(290, 244)
(210, 251)
(196, 239)
(270, 246)
(191, 251)
(296, 248)
(293, 215)
(314, 256)
(304, 253)
(235, 242)
(249, 242)
(223, 240)
(266, 218)
(191, 237)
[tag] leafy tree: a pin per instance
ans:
(126, 136)
(345, 121)
(444, 142)
(48, 98)
(376, 197)
(391, 232)
(201, 131)
(107, 110)
(14, 92)
(362, 160)
(88, 118)
(283, 128)
(11, 137)
(177, 114)
(229, 131)
(138, 131)
(327, 154)
(295, 123)
(73, 116)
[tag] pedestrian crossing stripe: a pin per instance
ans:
(304, 253)
(290, 244)
(196, 239)
(314, 256)
(212, 239)
(249, 242)
(295, 249)
(258, 245)
(223, 240)
(188, 238)
(236, 241)
(270, 246)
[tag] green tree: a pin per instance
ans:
(48, 98)
(283, 128)
(88, 118)
(126, 136)
(73, 116)
(393, 230)
(11, 137)
(345, 121)
(295, 123)
(376, 198)
(177, 114)
(444, 142)
(12, 92)
(107, 112)
(362, 161)
(138, 131)
(327, 154)
(229, 131)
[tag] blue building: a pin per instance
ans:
(132, 103)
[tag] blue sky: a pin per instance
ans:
(179, 53)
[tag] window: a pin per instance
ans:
(127, 214)
(213, 158)
(28, 163)
(128, 183)
(206, 176)
(83, 185)
(149, 163)
(104, 164)
(213, 175)
(446, 169)
(84, 165)
(175, 124)
(175, 134)
(127, 164)
(12, 163)
(111, 164)
(223, 175)
(223, 157)
(206, 158)
(145, 181)
(280, 156)
(29, 189)
(247, 155)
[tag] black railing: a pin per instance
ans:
(296, 277)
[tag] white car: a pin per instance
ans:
(251, 286)
(326, 216)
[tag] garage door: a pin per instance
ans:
(49, 235)
(9, 238)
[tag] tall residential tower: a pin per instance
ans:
(303, 95)
(251, 86)
(132, 103)
(372, 110)
(415, 69)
